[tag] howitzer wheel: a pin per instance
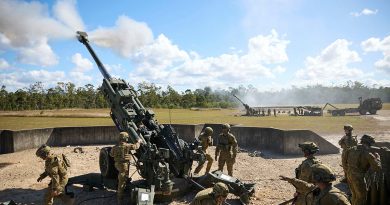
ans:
(107, 164)
(372, 111)
(362, 111)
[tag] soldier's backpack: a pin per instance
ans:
(66, 161)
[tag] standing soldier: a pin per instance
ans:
(206, 141)
(212, 196)
(226, 149)
(304, 170)
(56, 168)
(121, 155)
(359, 160)
(323, 192)
(346, 142)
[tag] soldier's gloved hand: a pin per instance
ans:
(40, 178)
(377, 155)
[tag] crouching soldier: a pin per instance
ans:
(322, 192)
(56, 168)
(304, 170)
(122, 156)
(212, 196)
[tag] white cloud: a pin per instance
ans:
(331, 65)
(165, 63)
(377, 45)
(16, 80)
(82, 64)
(26, 27)
(3, 64)
(37, 53)
(365, 12)
(125, 37)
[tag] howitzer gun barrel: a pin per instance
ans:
(83, 38)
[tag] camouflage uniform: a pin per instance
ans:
(359, 160)
(327, 196)
(206, 141)
(121, 155)
(346, 142)
(56, 169)
(304, 170)
(226, 150)
(378, 182)
(209, 196)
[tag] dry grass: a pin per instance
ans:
(81, 117)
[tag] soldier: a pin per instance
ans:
(304, 170)
(323, 192)
(56, 168)
(359, 160)
(121, 155)
(378, 183)
(346, 142)
(206, 141)
(226, 149)
(212, 196)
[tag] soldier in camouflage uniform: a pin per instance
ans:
(56, 169)
(226, 149)
(206, 141)
(378, 183)
(304, 170)
(212, 196)
(346, 142)
(359, 160)
(323, 192)
(121, 155)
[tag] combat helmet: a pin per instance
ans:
(322, 173)
(208, 130)
(348, 127)
(43, 151)
(123, 136)
(310, 147)
(367, 139)
(220, 189)
(226, 126)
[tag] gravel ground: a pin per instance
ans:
(19, 171)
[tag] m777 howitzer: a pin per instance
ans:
(162, 155)
(249, 110)
(163, 158)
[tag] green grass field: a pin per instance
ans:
(80, 117)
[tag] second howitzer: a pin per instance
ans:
(162, 154)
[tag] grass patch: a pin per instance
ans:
(69, 118)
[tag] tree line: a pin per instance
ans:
(67, 95)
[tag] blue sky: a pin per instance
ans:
(192, 44)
